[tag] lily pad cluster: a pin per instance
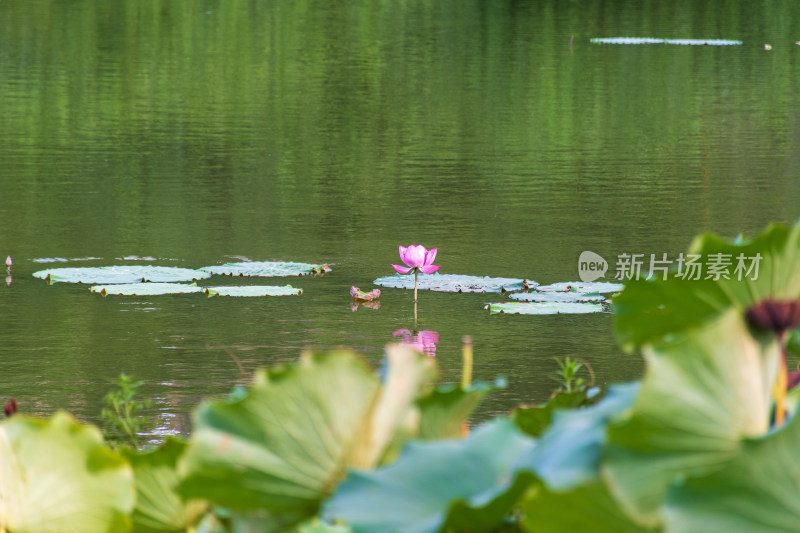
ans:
(574, 297)
(139, 280)
(456, 283)
(559, 298)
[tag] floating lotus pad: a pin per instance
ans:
(554, 296)
(111, 275)
(602, 287)
(651, 40)
(146, 289)
(455, 283)
(63, 260)
(254, 290)
(544, 308)
(266, 269)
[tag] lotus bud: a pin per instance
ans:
(10, 407)
(774, 315)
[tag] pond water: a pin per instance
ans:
(197, 133)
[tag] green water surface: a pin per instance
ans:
(201, 132)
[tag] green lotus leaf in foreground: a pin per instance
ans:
(159, 508)
(586, 508)
(756, 491)
(286, 443)
(455, 283)
(267, 269)
(544, 308)
(704, 391)
(767, 266)
(145, 289)
(567, 459)
(57, 476)
(254, 290)
(111, 275)
(450, 485)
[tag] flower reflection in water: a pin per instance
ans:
(423, 341)
(355, 304)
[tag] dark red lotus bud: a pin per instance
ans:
(9, 408)
(774, 315)
(793, 380)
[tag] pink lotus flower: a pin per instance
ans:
(417, 259)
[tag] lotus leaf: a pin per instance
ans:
(109, 275)
(536, 419)
(586, 508)
(553, 296)
(159, 508)
(651, 40)
(703, 391)
(585, 287)
(58, 476)
(254, 290)
(756, 491)
(445, 411)
(145, 289)
(648, 310)
(544, 308)
(569, 452)
(455, 283)
(284, 445)
(63, 260)
(267, 269)
(451, 485)
(316, 526)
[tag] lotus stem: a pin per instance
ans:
(780, 384)
(416, 274)
(466, 373)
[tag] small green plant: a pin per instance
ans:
(567, 375)
(121, 422)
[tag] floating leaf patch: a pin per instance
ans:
(554, 296)
(544, 308)
(110, 275)
(145, 289)
(456, 283)
(651, 40)
(267, 269)
(602, 287)
(63, 260)
(254, 290)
